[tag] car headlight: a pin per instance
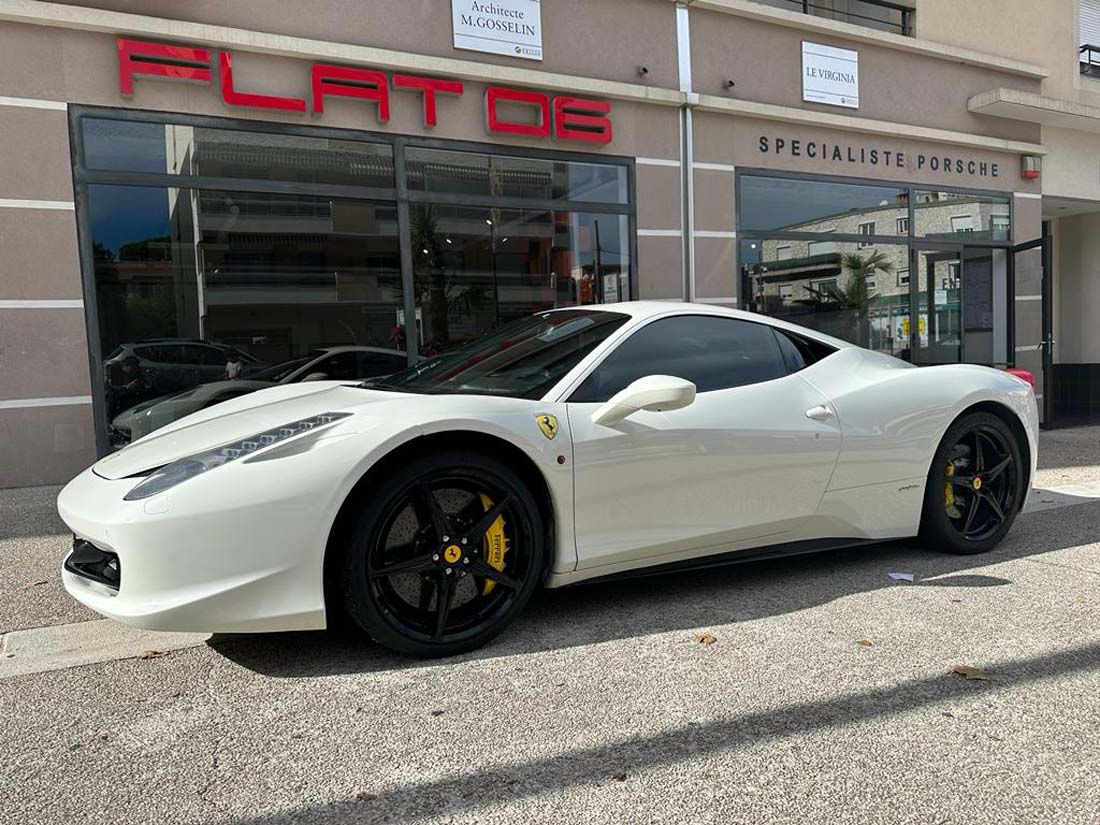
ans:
(179, 471)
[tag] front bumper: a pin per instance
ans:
(219, 556)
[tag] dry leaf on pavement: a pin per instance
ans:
(38, 582)
(151, 654)
(363, 796)
(705, 639)
(865, 643)
(971, 673)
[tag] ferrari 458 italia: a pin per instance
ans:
(574, 444)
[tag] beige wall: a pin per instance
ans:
(1072, 167)
(43, 345)
(895, 86)
(608, 39)
(1041, 32)
(45, 445)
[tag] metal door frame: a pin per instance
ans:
(1046, 345)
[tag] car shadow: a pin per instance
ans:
(624, 609)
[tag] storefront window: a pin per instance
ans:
(472, 173)
(793, 205)
(227, 260)
(913, 273)
(227, 291)
(475, 268)
(961, 216)
(847, 290)
(173, 149)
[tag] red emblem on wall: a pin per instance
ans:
(564, 117)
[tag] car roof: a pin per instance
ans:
(642, 310)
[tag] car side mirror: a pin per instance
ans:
(656, 393)
(316, 376)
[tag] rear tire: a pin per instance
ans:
(427, 544)
(975, 486)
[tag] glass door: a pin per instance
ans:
(985, 306)
(937, 297)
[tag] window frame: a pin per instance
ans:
(859, 230)
(399, 194)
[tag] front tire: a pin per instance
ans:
(975, 486)
(445, 553)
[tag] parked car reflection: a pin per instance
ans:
(152, 368)
(330, 364)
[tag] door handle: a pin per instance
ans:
(819, 413)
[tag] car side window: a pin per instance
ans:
(792, 356)
(203, 356)
(714, 353)
(374, 364)
(338, 367)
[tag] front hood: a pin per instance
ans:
(236, 419)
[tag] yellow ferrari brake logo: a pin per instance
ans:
(548, 424)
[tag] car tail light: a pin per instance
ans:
(1025, 376)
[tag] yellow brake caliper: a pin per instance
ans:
(496, 544)
(949, 493)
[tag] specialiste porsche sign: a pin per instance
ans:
(508, 111)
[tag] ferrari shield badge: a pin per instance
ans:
(548, 424)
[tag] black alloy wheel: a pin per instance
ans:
(446, 552)
(975, 486)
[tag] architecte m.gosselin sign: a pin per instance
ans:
(511, 27)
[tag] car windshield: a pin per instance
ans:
(523, 359)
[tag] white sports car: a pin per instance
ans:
(574, 444)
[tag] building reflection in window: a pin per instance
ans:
(475, 267)
(216, 287)
(265, 258)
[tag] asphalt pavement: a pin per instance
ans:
(827, 695)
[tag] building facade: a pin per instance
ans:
(213, 193)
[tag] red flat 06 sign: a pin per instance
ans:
(508, 111)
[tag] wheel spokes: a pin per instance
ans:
(997, 469)
(445, 595)
(971, 513)
(979, 455)
(991, 500)
(425, 502)
(491, 515)
(416, 564)
(427, 588)
(482, 568)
